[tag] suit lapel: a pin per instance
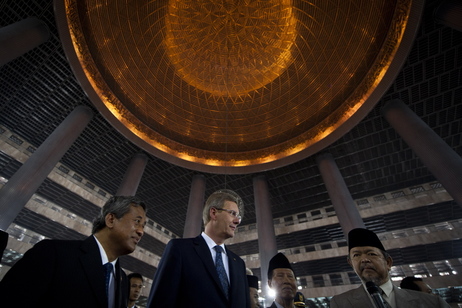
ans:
(233, 274)
(120, 287)
(92, 266)
(202, 249)
(408, 299)
(358, 298)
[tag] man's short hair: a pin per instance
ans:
(134, 275)
(408, 283)
(217, 200)
(117, 205)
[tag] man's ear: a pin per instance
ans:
(109, 219)
(213, 213)
(389, 262)
(349, 262)
(269, 283)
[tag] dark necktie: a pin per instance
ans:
(221, 270)
(384, 300)
(107, 272)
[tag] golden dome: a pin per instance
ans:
(235, 86)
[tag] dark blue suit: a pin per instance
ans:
(58, 273)
(186, 277)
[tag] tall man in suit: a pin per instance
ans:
(371, 262)
(201, 272)
(281, 279)
(72, 273)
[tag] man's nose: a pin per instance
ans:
(140, 230)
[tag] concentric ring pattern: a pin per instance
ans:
(238, 85)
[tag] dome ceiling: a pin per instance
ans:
(235, 86)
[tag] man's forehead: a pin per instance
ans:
(230, 205)
(283, 270)
(364, 249)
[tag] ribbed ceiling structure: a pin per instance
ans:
(236, 86)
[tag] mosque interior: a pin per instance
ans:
(229, 110)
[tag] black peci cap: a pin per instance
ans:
(278, 261)
(253, 281)
(363, 237)
(299, 300)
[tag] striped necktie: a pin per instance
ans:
(221, 270)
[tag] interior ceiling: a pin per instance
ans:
(235, 86)
(39, 89)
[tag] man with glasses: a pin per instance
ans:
(79, 273)
(135, 283)
(201, 271)
(372, 263)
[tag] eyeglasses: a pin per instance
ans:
(233, 213)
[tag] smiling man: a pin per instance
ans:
(281, 279)
(74, 273)
(201, 272)
(371, 262)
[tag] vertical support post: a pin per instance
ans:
(23, 184)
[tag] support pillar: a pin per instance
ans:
(133, 175)
(193, 223)
(23, 184)
(449, 13)
(345, 208)
(266, 236)
(440, 159)
(18, 38)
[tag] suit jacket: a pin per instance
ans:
(57, 273)
(358, 298)
(186, 277)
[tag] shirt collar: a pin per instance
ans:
(387, 287)
(103, 254)
(211, 243)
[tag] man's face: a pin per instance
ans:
(370, 264)
(128, 230)
(283, 283)
(254, 303)
(225, 224)
(136, 285)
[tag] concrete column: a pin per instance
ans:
(449, 13)
(440, 159)
(265, 228)
(18, 38)
(193, 223)
(23, 184)
(133, 175)
(345, 207)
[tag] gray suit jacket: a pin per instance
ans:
(358, 298)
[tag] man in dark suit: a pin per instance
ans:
(281, 279)
(135, 286)
(190, 269)
(372, 263)
(65, 273)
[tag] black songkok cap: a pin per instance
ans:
(299, 300)
(278, 261)
(253, 281)
(363, 237)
